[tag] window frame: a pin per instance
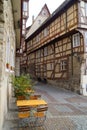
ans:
(25, 8)
(76, 40)
(85, 9)
(45, 51)
(46, 32)
(23, 26)
(63, 65)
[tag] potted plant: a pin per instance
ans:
(21, 84)
(7, 65)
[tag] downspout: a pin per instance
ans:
(83, 61)
(71, 55)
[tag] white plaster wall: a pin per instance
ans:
(17, 66)
(36, 25)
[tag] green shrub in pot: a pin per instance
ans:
(21, 84)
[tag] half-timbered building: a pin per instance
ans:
(36, 23)
(57, 50)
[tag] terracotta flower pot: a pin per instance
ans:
(11, 67)
(7, 65)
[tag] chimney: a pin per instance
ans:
(32, 19)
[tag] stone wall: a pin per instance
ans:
(74, 77)
(6, 32)
(71, 84)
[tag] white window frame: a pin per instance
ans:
(86, 9)
(63, 65)
(39, 21)
(76, 40)
(46, 32)
(37, 38)
(23, 32)
(25, 6)
(23, 21)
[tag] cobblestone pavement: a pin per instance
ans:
(66, 110)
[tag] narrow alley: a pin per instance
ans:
(66, 110)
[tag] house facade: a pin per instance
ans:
(36, 23)
(11, 27)
(57, 50)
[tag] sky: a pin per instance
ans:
(35, 7)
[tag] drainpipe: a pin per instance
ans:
(83, 84)
(71, 55)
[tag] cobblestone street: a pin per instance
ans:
(66, 110)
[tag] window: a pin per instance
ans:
(45, 51)
(52, 66)
(37, 38)
(63, 65)
(46, 32)
(86, 8)
(82, 4)
(23, 32)
(44, 12)
(38, 54)
(24, 21)
(85, 38)
(39, 21)
(25, 8)
(76, 40)
(23, 26)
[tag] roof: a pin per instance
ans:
(66, 4)
(42, 16)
